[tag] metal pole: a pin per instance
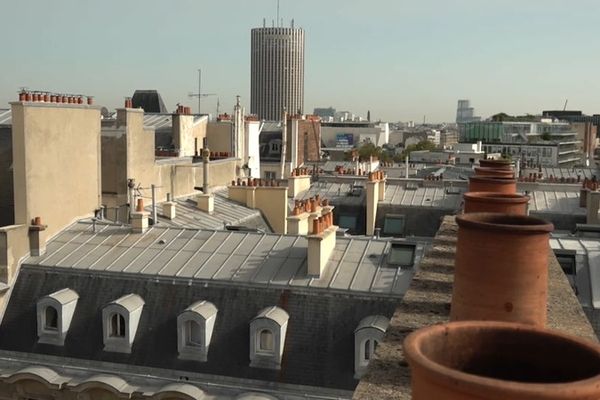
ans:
(406, 159)
(154, 217)
(199, 88)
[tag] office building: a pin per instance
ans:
(277, 72)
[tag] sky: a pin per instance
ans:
(402, 60)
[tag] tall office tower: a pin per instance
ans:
(277, 73)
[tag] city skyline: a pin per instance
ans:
(400, 60)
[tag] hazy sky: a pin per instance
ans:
(400, 59)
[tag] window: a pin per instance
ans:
(51, 319)
(117, 325)
(269, 175)
(401, 254)
(120, 320)
(369, 349)
(367, 335)
(194, 330)
(193, 334)
(394, 225)
(267, 337)
(54, 314)
(347, 221)
(266, 340)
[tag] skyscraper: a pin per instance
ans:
(277, 72)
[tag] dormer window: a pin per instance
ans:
(267, 337)
(54, 315)
(194, 330)
(120, 320)
(367, 336)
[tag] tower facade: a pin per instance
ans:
(277, 72)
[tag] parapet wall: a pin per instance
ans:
(427, 302)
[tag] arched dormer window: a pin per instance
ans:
(194, 330)
(267, 337)
(367, 336)
(120, 319)
(54, 314)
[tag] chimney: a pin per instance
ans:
(139, 218)
(169, 208)
(297, 223)
(321, 243)
(206, 200)
(37, 237)
(298, 182)
(373, 192)
(593, 203)
(182, 132)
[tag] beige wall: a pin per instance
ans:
(273, 203)
(7, 204)
(185, 132)
(128, 152)
(56, 163)
(219, 136)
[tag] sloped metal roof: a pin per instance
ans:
(5, 116)
(226, 212)
(266, 260)
(587, 277)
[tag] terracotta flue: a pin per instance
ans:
(492, 184)
(315, 227)
(498, 164)
(477, 360)
(496, 202)
(140, 205)
(495, 172)
(501, 268)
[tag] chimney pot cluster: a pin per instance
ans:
(254, 182)
(310, 205)
(349, 171)
(48, 97)
(183, 110)
(323, 222)
(591, 184)
(128, 102)
(376, 176)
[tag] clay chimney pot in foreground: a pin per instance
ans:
(498, 360)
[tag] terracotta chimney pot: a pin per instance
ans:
(496, 360)
(487, 244)
(315, 227)
(140, 205)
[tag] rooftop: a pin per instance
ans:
(357, 265)
(427, 302)
(226, 212)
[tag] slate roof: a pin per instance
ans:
(150, 100)
(319, 345)
(587, 259)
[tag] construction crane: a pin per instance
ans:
(200, 95)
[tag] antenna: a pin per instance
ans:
(566, 102)
(278, 13)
